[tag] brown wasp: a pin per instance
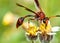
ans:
(40, 16)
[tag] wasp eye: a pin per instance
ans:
(44, 21)
(19, 22)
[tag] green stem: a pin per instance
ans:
(32, 41)
(45, 41)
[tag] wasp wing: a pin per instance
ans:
(25, 8)
(38, 5)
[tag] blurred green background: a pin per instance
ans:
(10, 12)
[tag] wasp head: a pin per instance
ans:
(19, 22)
(45, 20)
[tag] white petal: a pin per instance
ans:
(39, 32)
(51, 33)
(25, 25)
(27, 33)
(31, 24)
(55, 29)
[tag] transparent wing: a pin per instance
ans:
(37, 5)
(25, 8)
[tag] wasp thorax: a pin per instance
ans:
(45, 20)
(41, 15)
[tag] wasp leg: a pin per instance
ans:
(30, 19)
(36, 19)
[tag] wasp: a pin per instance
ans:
(44, 26)
(37, 15)
(40, 15)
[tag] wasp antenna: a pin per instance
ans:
(54, 16)
(26, 8)
(20, 5)
(57, 15)
(29, 16)
(38, 5)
